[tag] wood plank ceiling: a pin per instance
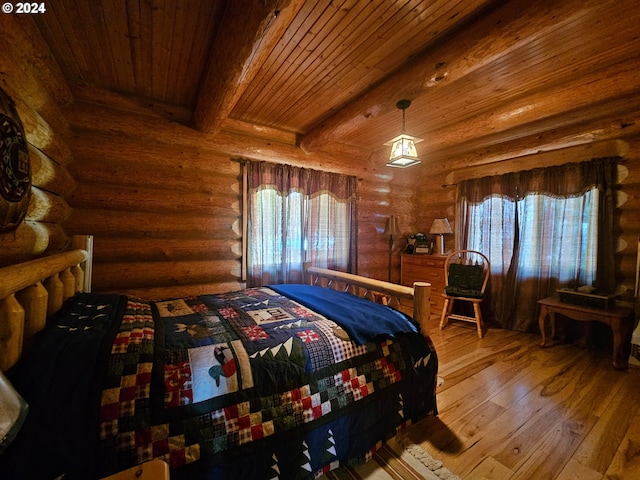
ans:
(477, 71)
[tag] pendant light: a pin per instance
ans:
(403, 147)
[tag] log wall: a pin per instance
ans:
(163, 201)
(33, 81)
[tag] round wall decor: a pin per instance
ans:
(15, 170)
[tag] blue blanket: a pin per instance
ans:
(362, 319)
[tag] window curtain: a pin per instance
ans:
(539, 229)
(298, 215)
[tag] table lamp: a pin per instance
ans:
(439, 227)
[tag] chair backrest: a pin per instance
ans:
(466, 273)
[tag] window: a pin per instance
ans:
(294, 216)
(558, 236)
(541, 229)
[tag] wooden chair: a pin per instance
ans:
(466, 278)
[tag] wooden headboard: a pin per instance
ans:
(32, 291)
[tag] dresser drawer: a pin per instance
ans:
(413, 273)
(425, 268)
(434, 261)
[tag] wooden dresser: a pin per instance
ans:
(425, 268)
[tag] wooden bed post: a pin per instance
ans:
(85, 242)
(422, 304)
(11, 331)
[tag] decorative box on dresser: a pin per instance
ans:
(425, 268)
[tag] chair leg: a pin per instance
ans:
(478, 315)
(446, 311)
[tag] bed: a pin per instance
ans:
(258, 383)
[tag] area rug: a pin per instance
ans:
(397, 459)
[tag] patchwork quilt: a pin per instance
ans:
(249, 384)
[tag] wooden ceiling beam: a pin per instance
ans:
(492, 149)
(610, 92)
(248, 32)
(573, 154)
(155, 129)
(505, 28)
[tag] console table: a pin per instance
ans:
(618, 318)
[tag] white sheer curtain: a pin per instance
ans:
(559, 237)
(298, 215)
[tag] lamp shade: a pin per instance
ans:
(391, 228)
(403, 151)
(440, 226)
(403, 147)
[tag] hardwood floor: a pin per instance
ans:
(509, 409)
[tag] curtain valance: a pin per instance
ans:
(572, 179)
(287, 177)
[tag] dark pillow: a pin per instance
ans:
(465, 280)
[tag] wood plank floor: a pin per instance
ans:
(509, 409)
